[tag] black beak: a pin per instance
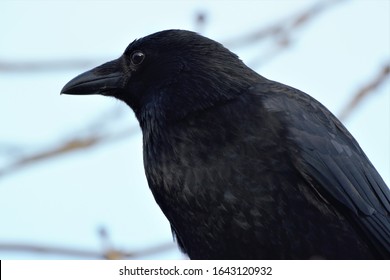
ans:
(105, 79)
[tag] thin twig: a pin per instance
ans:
(282, 33)
(283, 28)
(72, 145)
(53, 65)
(84, 253)
(364, 91)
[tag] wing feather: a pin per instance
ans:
(333, 161)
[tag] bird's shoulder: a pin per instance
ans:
(330, 158)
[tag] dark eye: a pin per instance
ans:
(137, 57)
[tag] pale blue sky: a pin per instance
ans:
(63, 201)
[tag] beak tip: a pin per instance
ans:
(65, 90)
(100, 80)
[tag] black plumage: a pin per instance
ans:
(244, 167)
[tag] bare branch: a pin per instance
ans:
(284, 28)
(201, 19)
(53, 65)
(282, 33)
(87, 254)
(367, 89)
(74, 144)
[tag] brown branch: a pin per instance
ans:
(366, 90)
(282, 33)
(88, 254)
(66, 147)
(284, 28)
(54, 65)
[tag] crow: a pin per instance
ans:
(243, 167)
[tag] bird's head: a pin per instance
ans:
(170, 74)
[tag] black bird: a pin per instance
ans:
(244, 167)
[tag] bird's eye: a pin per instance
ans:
(137, 57)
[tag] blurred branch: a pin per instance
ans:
(88, 254)
(281, 33)
(108, 252)
(364, 91)
(283, 30)
(54, 65)
(201, 19)
(71, 145)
